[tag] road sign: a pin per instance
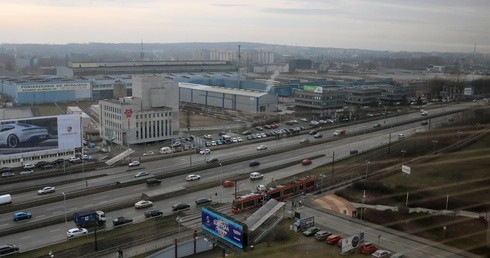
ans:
(406, 169)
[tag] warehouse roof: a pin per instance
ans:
(242, 92)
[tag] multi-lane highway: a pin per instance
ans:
(47, 235)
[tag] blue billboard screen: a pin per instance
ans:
(223, 228)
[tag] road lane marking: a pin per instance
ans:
(25, 237)
(54, 230)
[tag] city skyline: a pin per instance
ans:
(392, 25)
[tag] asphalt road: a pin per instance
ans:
(43, 236)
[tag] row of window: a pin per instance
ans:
(153, 129)
(32, 159)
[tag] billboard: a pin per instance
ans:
(316, 89)
(232, 232)
(39, 133)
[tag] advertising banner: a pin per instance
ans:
(39, 133)
(311, 88)
(223, 228)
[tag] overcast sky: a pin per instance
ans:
(395, 25)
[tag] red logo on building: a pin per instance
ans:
(128, 112)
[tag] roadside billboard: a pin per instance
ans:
(39, 133)
(232, 232)
(352, 242)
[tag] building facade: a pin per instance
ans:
(150, 115)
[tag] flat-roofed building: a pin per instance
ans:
(150, 115)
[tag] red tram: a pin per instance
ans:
(279, 192)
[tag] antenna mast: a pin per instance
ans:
(239, 61)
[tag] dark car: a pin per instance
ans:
(353, 152)
(311, 231)
(153, 181)
(212, 160)
(22, 215)
(424, 123)
(254, 163)
(120, 221)
(153, 213)
(6, 249)
(5, 169)
(203, 201)
(41, 164)
(8, 174)
(180, 206)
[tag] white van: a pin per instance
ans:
(165, 150)
(256, 176)
(5, 199)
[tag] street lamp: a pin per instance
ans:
(434, 142)
(64, 204)
(459, 135)
(403, 155)
(367, 168)
(220, 181)
(443, 233)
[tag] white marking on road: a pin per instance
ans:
(100, 197)
(54, 230)
(25, 237)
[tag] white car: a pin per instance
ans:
(75, 232)
(261, 188)
(29, 166)
(142, 173)
(143, 204)
(193, 177)
(262, 147)
(148, 153)
(45, 190)
(234, 139)
(239, 139)
(205, 151)
(381, 254)
(134, 163)
(401, 136)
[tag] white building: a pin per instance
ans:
(151, 114)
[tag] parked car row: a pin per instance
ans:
(366, 248)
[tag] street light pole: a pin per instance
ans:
(220, 181)
(434, 142)
(64, 204)
(403, 156)
(367, 167)
(459, 135)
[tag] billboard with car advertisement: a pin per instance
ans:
(232, 232)
(39, 133)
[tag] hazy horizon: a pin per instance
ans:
(385, 25)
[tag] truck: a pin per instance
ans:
(89, 218)
(5, 199)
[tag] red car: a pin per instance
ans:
(368, 248)
(306, 162)
(333, 239)
(228, 183)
